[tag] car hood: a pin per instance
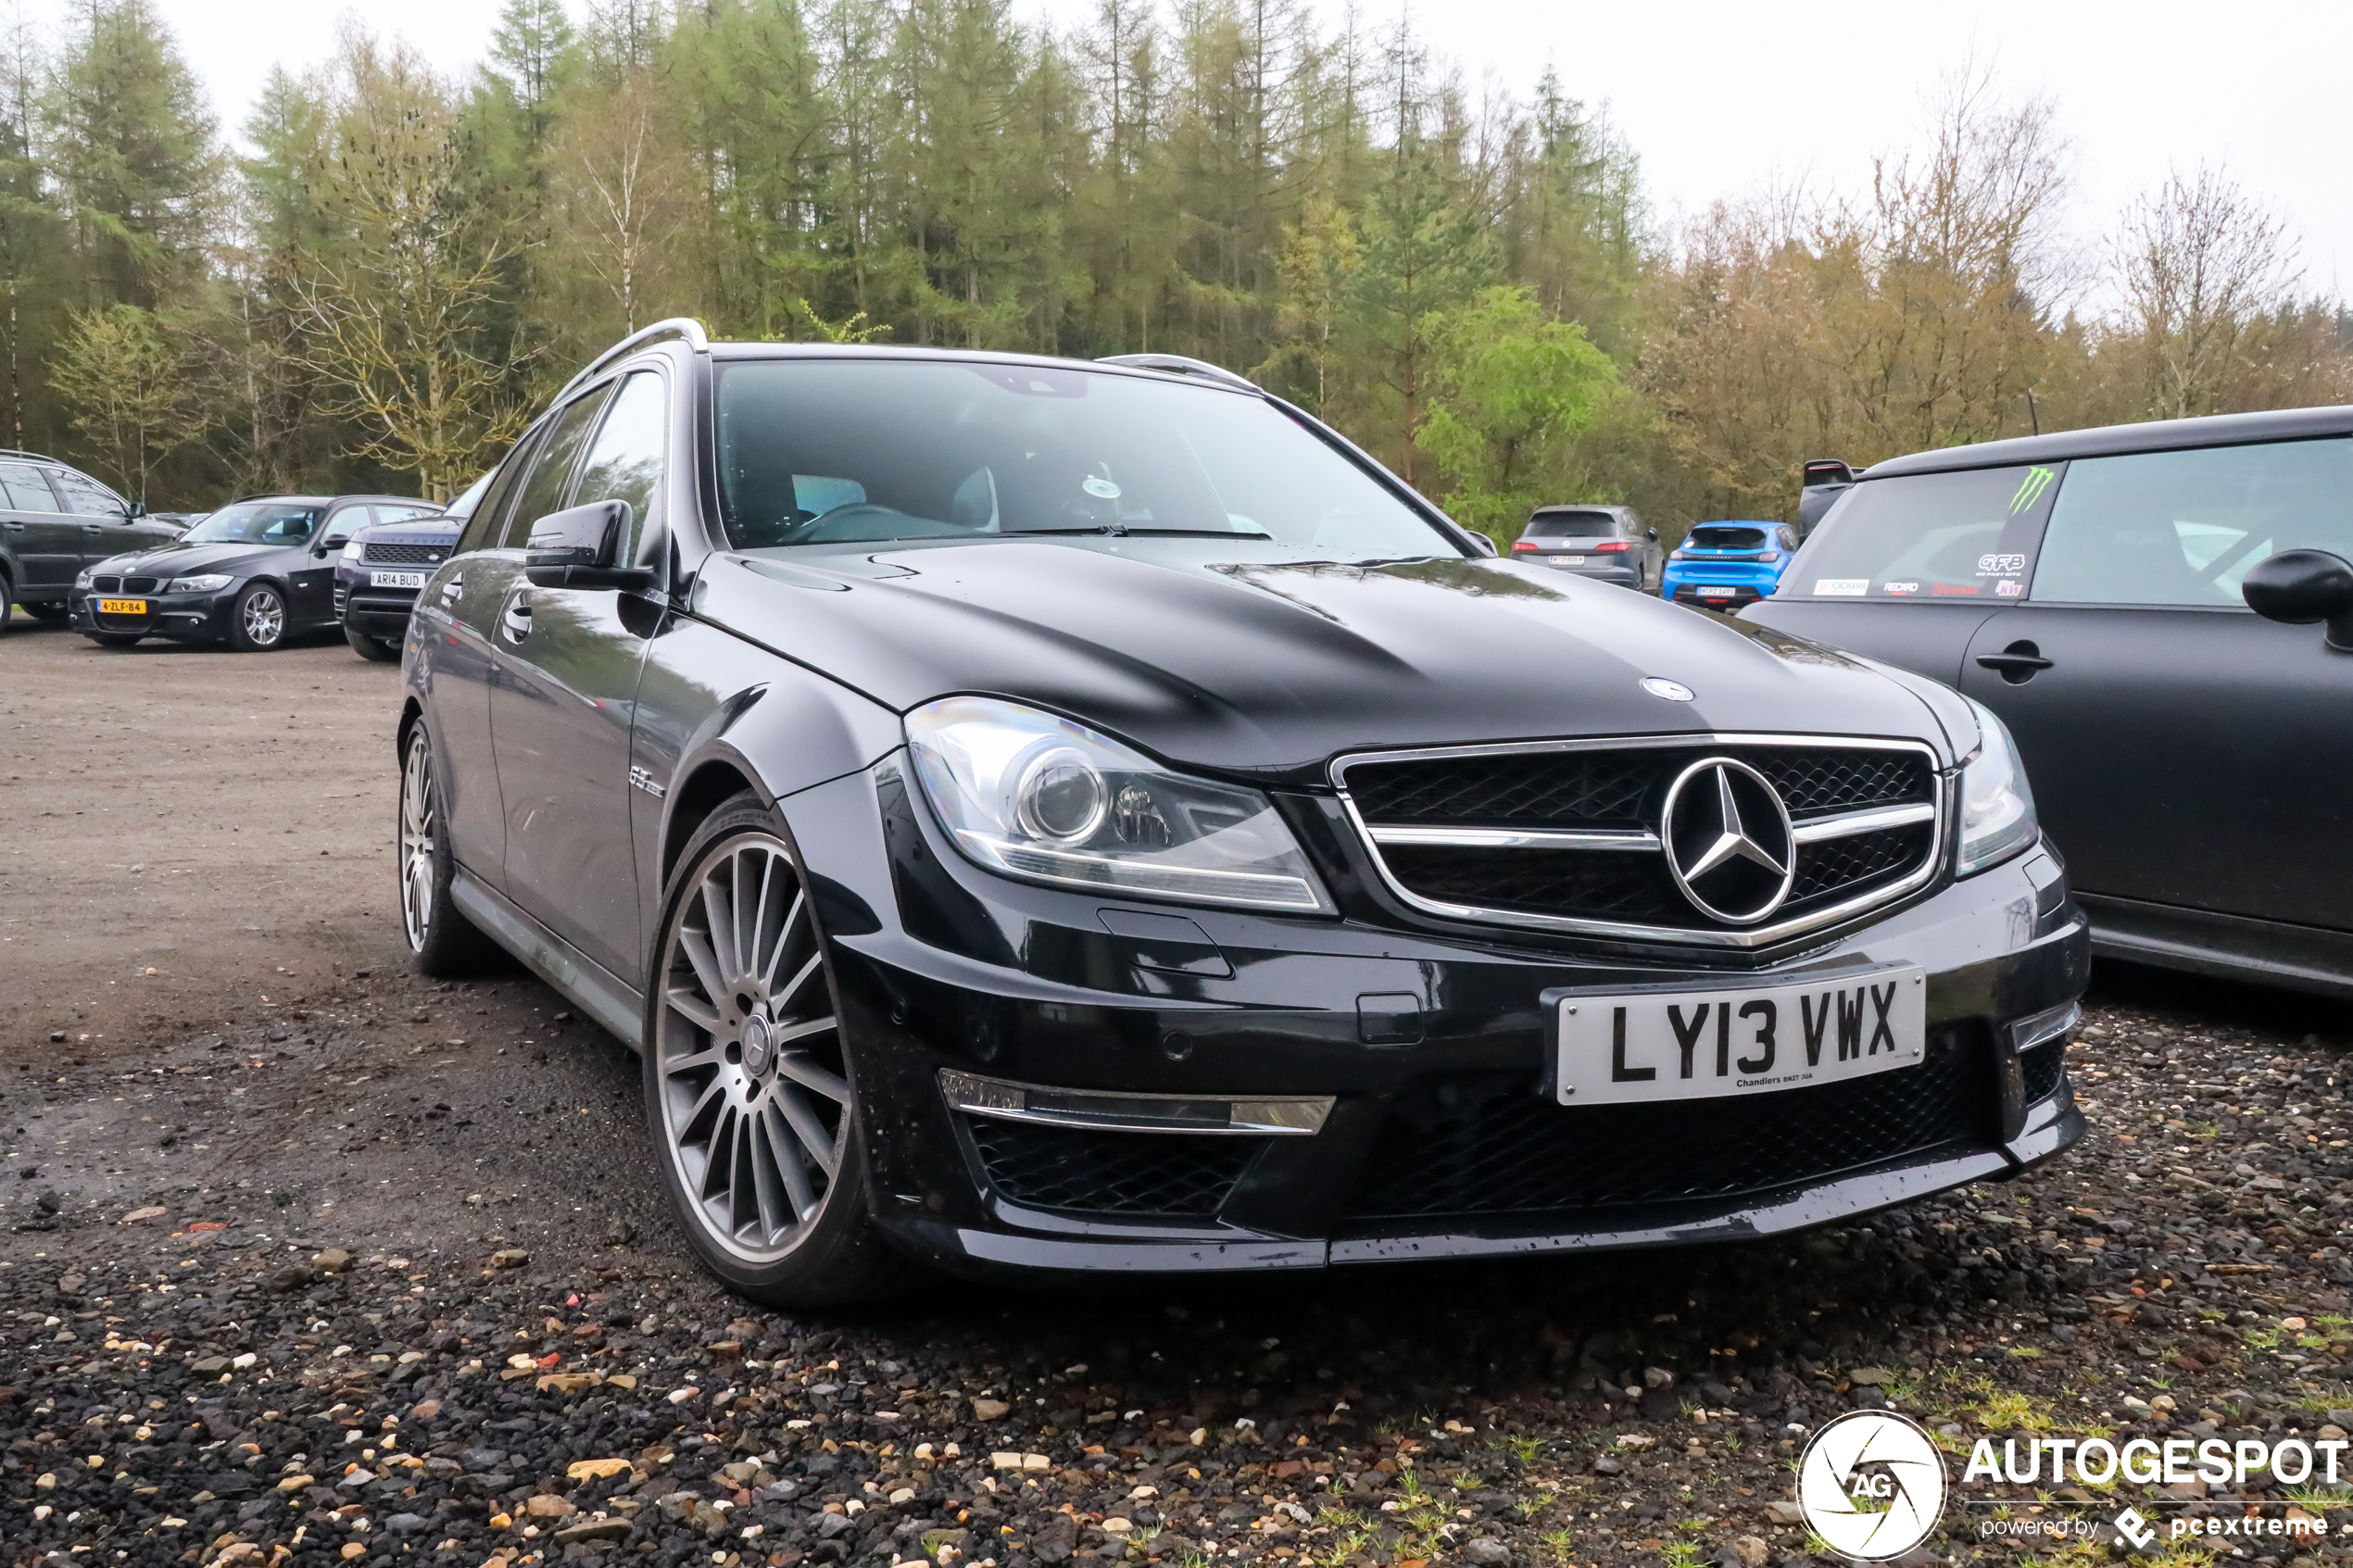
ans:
(1273, 668)
(177, 560)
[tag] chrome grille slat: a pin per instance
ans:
(1564, 835)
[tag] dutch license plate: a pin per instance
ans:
(1700, 1044)
(122, 607)
(395, 579)
(1568, 561)
(1710, 592)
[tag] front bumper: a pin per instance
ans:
(382, 613)
(1424, 1056)
(188, 617)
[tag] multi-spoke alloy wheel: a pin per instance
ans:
(747, 1080)
(755, 1105)
(259, 620)
(418, 823)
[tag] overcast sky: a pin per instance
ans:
(1719, 97)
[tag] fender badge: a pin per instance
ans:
(642, 778)
(1670, 691)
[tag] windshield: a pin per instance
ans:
(1719, 536)
(833, 451)
(1929, 535)
(1571, 525)
(256, 522)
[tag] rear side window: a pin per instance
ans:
(1929, 537)
(1571, 525)
(550, 478)
(24, 489)
(2183, 528)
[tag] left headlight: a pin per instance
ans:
(1997, 808)
(1037, 796)
(209, 583)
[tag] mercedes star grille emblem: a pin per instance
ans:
(1728, 841)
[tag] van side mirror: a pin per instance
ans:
(580, 548)
(2299, 587)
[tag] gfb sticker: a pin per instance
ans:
(2010, 588)
(2030, 489)
(2000, 565)
(1871, 1485)
(1842, 587)
(1899, 588)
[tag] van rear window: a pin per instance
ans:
(1965, 535)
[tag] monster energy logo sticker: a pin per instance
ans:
(2030, 489)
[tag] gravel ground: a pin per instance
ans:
(220, 1348)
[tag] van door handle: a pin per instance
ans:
(2018, 663)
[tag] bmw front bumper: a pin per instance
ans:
(1062, 1082)
(187, 616)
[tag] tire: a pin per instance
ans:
(442, 943)
(7, 602)
(113, 639)
(753, 1113)
(257, 622)
(374, 648)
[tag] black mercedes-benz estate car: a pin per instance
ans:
(1068, 816)
(2132, 601)
(251, 574)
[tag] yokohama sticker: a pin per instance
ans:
(1842, 587)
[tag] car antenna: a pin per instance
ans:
(2032, 416)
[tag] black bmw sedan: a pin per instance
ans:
(1061, 816)
(250, 575)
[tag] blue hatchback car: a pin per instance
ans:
(1726, 564)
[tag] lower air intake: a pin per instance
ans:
(1075, 1170)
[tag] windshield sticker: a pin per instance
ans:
(2030, 489)
(1842, 587)
(1094, 485)
(2000, 565)
(1899, 588)
(2010, 589)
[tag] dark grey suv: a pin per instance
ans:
(1608, 544)
(54, 521)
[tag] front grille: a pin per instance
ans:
(406, 555)
(1624, 790)
(2041, 1069)
(108, 584)
(1489, 1143)
(142, 584)
(1175, 1174)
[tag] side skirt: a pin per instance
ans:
(589, 986)
(2298, 957)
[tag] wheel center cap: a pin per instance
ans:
(758, 1048)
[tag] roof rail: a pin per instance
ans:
(36, 456)
(683, 328)
(1178, 365)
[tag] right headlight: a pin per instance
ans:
(82, 580)
(354, 549)
(1041, 798)
(1997, 808)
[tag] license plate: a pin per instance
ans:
(395, 579)
(122, 607)
(1568, 561)
(1702, 1045)
(1712, 593)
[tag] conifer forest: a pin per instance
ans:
(372, 278)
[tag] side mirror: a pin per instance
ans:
(1650, 533)
(580, 548)
(1482, 543)
(334, 541)
(2302, 586)
(134, 511)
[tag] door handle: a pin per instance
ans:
(517, 616)
(13, 527)
(453, 590)
(2016, 663)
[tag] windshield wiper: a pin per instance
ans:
(1120, 530)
